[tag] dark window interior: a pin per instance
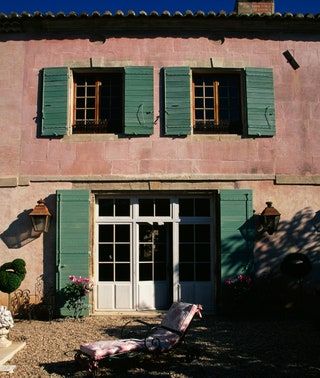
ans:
(98, 102)
(217, 103)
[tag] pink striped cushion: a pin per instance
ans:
(161, 340)
(101, 349)
(180, 315)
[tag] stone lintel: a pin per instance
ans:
(8, 182)
(297, 180)
(161, 178)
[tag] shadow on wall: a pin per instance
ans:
(273, 289)
(299, 234)
(20, 232)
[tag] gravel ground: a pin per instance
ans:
(266, 347)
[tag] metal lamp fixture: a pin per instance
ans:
(40, 217)
(270, 218)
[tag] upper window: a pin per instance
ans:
(103, 100)
(221, 100)
(216, 103)
(98, 103)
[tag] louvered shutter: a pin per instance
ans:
(237, 232)
(177, 101)
(138, 100)
(260, 102)
(72, 240)
(55, 101)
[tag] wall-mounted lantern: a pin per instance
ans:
(40, 217)
(269, 219)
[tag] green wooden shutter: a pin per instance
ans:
(55, 101)
(72, 239)
(260, 102)
(237, 232)
(138, 100)
(177, 101)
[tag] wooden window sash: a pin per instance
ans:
(97, 102)
(216, 103)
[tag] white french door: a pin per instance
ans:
(152, 251)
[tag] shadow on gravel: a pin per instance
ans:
(255, 347)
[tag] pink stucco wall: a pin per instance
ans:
(294, 149)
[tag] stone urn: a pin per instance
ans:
(6, 323)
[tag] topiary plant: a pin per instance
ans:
(11, 275)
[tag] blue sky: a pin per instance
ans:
(7, 6)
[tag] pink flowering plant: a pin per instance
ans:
(239, 285)
(76, 291)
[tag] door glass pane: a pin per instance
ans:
(122, 252)
(105, 233)
(106, 208)
(186, 207)
(202, 272)
(105, 252)
(160, 272)
(162, 207)
(202, 233)
(186, 233)
(105, 272)
(186, 272)
(145, 252)
(146, 207)
(145, 232)
(160, 252)
(122, 233)
(186, 253)
(202, 207)
(203, 252)
(122, 272)
(145, 272)
(122, 206)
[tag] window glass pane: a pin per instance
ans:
(106, 252)
(186, 233)
(80, 91)
(160, 234)
(160, 252)
(80, 103)
(91, 90)
(198, 91)
(186, 207)
(79, 114)
(209, 103)
(209, 91)
(186, 272)
(202, 252)
(91, 102)
(202, 233)
(106, 208)
(122, 233)
(160, 272)
(145, 272)
(202, 207)
(210, 115)
(203, 272)
(90, 115)
(105, 232)
(122, 207)
(145, 252)
(145, 232)
(198, 102)
(162, 206)
(186, 253)
(122, 252)
(199, 114)
(122, 272)
(146, 207)
(105, 272)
